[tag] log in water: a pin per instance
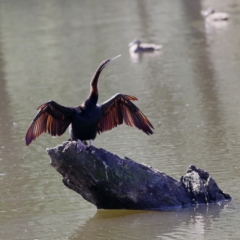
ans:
(110, 182)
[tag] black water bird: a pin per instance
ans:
(89, 118)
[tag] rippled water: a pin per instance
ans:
(189, 91)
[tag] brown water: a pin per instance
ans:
(189, 91)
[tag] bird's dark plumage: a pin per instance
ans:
(88, 119)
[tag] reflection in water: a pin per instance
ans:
(206, 80)
(138, 57)
(5, 118)
(212, 26)
(7, 138)
(150, 225)
(13, 176)
(146, 29)
(9, 170)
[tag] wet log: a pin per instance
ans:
(109, 182)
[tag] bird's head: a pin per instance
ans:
(207, 12)
(135, 41)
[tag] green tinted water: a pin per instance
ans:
(189, 91)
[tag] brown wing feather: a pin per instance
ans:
(52, 118)
(120, 108)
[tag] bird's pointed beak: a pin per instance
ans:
(111, 59)
(106, 62)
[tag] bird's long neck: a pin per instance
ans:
(94, 82)
(93, 95)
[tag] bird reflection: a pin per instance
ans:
(89, 118)
(149, 224)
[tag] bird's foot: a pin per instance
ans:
(80, 146)
(86, 143)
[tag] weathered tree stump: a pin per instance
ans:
(110, 182)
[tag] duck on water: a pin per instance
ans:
(212, 16)
(136, 46)
(89, 118)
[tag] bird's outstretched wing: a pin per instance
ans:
(119, 108)
(52, 118)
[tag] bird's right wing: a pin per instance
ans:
(120, 109)
(52, 118)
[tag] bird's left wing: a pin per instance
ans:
(120, 108)
(52, 118)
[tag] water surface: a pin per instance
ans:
(189, 91)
